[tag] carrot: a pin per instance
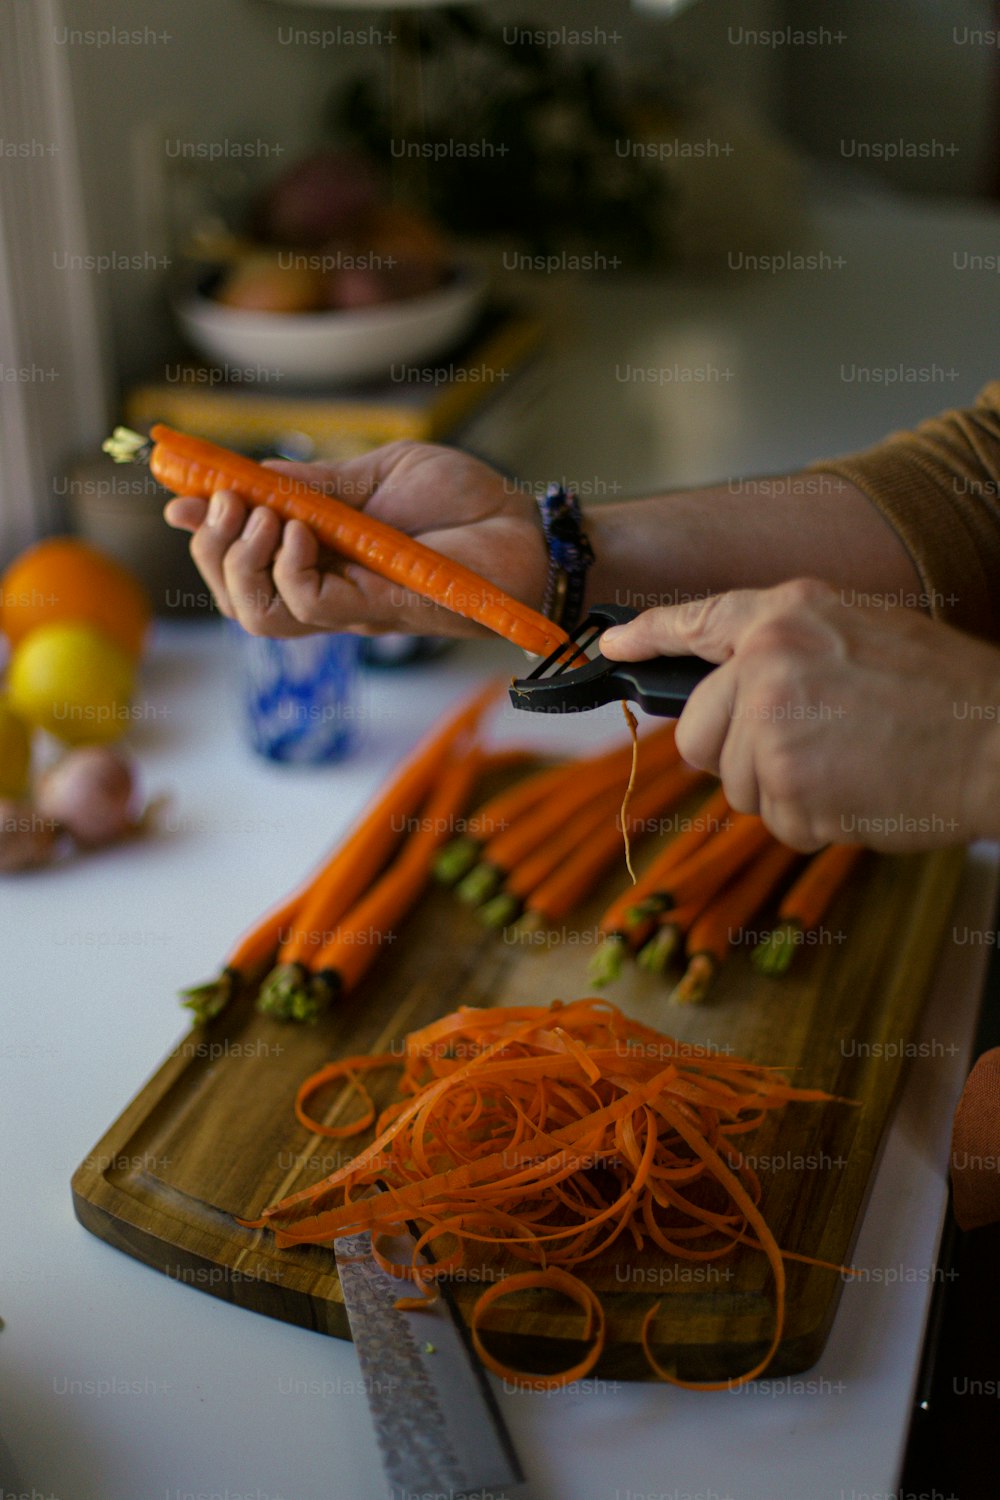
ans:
(343, 873)
(352, 946)
(188, 465)
(805, 904)
(502, 1116)
(711, 934)
(645, 898)
(574, 880)
(394, 893)
(542, 862)
(720, 857)
(671, 929)
(457, 858)
(255, 946)
(628, 921)
(592, 777)
(378, 832)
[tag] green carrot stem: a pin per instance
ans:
(606, 964)
(206, 1001)
(694, 984)
(479, 885)
(774, 953)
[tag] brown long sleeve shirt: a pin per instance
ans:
(938, 486)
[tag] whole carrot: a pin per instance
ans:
(591, 778)
(575, 878)
(458, 858)
(630, 917)
(805, 904)
(355, 943)
(191, 466)
(718, 859)
(379, 831)
(710, 936)
(343, 874)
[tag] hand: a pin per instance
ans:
(275, 579)
(836, 724)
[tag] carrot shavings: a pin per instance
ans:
(549, 1133)
(633, 729)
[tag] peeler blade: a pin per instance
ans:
(572, 680)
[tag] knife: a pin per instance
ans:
(438, 1425)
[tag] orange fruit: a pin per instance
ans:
(63, 578)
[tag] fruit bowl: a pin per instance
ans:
(334, 347)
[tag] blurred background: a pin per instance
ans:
(522, 162)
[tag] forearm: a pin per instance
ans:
(747, 534)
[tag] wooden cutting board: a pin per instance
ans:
(212, 1134)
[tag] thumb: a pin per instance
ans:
(709, 627)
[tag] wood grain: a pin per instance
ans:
(212, 1133)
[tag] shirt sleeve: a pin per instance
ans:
(938, 486)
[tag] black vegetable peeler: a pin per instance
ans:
(571, 680)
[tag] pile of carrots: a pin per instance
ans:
(704, 888)
(534, 853)
(323, 938)
(549, 1133)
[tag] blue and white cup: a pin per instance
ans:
(301, 697)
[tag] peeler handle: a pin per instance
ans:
(661, 686)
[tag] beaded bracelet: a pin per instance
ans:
(570, 555)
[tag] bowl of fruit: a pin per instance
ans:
(332, 284)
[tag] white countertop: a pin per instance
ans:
(120, 1384)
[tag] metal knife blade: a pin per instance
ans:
(439, 1429)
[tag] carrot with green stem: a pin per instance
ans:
(459, 856)
(646, 898)
(631, 916)
(358, 937)
(576, 878)
(566, 799)
(717, 861)
(805, 904)
(378, 833)
(545, 860)
(188, 465)
(342, 876)
(258, 944)
(710, 936)
(671, 929)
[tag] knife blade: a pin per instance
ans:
(439, 1428)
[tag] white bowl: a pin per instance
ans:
(345, 344)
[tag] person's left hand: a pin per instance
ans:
(836, 724)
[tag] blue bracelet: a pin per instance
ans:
(570, 555)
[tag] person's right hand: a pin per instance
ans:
(276, 580)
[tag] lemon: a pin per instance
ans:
(72, 680)
(15, 752)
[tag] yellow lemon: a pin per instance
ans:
(15, 752)
(72, 680)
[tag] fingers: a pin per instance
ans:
(714, 627)
(185, 512)
(320, 598)
(224, 521)
(249, 582)
(354, 480)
